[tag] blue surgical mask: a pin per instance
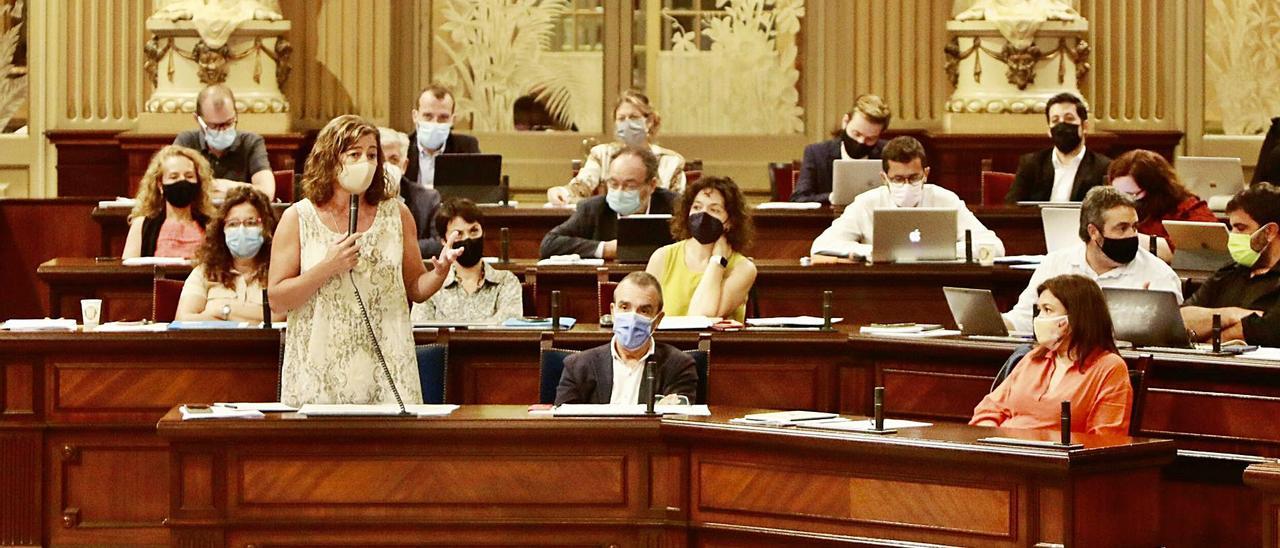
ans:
(632, 330)
(432, 135)
(624, 202)
(244, 241)
(631, 132)
(220, 140)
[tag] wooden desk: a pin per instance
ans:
(862, 293)
(489, 473)
(1266, 478)
(780, 234)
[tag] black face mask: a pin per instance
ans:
(1120, 250)
(705, 228)
(472, 250)
(855, 149)
(181, 193)
(1066, 137)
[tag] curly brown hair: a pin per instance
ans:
(213, 253)
(151, 199)
(321, 171)
(740, 231)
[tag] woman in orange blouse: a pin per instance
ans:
(1149, 179)
(173, 205)
(1075, 359)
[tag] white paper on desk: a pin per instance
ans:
(862, 425)
(156, 261)
(45, 324)
(625, 410)
(131, 327)
(1015, 259)
(570, 260)
(1024, 266)
(118, 202)
(264, 406)
(922, 334)
(216, 412)
(1263, 353)
(675, 323)
(789, 321)
(789, 205)
(373, 410)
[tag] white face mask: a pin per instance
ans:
(1049, 330)
(356, 177)
(906, 195)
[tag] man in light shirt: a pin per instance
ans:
(905, 171)
(1066, 171)
(1108, 254)
(433, 135)
(614, 373)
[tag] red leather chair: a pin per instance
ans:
(604, 296)
(782, 177)
(284, 185)
(164, 298)
(995, 185)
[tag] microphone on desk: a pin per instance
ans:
(505, 242)
(968, 246)
(826, 310)
(649, 385)
(1066, 423)
(505, 190)
(1154, 247)
(266, 310)
(877, 420)
(1217, 333)
(555, 310)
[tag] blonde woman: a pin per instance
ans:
(347, 295)
(173, 205)
(635, 124)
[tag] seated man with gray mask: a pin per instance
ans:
(614, 373)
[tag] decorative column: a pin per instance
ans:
(238, 43)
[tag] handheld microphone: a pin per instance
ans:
(353, 214)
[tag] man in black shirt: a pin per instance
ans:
(1245, 293)
(237, 157)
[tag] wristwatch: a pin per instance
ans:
(724, 263)
(226, 311)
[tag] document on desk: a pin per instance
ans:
(789, 205)
(264, 406)
(156, 261)
(374, 410)
(218, 412)
(676, 323)
(131, 327)
(626, 410)
(39, 325)
(861, 425)
(789, 321)
(1263, 353)
(1019, 259)
(210, 324)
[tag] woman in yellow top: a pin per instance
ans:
(705, 272)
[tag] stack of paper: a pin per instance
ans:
(264, 406)
(626, 410)
(1263, 353)
(373, 410)
(45, 324)
(789, 205)
(673, 323)
(570, 260)
(156, 261)
(538, 323)
(211, 324)
(219, 412)
(789, 321)
(861, 425)
(131, 327)
(898, 329)
(118, 202)
(1019, 259)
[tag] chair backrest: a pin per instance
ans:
(284, 184)
(1263, 167)
(433, 371)
(1009, 364)
(164, 298)
(702, 362)
(782, 176)
(1137, 381)
(550, 367)
(995, 185)
(604, 295)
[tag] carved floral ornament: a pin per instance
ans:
(212, 62)
(1020, 62)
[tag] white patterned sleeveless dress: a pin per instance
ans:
(329, 357)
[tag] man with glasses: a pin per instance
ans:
(905, 171)
(592, 230)
(237, 157)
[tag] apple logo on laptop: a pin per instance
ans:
(914, 236)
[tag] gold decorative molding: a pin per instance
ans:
(1020, 62)
(213, 61)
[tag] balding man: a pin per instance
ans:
(237, 157)
(613, 373)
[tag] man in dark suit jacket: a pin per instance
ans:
(613, 373)
(1068, 162)
(592, 230)
(858, 139)
(433, 120)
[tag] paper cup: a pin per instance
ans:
(986, 255)
(91, 312)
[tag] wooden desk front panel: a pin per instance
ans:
(1214, 404)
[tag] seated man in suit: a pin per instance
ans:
(592, 230)
(237, 157)
(1067, 171)
(857, 138)
(905, 170)
(1246, 293)
(614, 373)
(433, 136)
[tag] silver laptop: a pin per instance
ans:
(1215, 180)
(1146, 317)
(975, 312)
(913, 234)
(1198, 246)
(1061, 227)
(849, 178)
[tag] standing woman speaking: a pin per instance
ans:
(347, 295)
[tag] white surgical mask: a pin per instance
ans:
(906, 195)
(432, 135)
(631, 132)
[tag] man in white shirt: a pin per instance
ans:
(1066, 171)
(614, 373)
(1109, 254)
(905, 171)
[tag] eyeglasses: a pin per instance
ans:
(630, 184)
(916, 181)
(218, 127)
(250, 223)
